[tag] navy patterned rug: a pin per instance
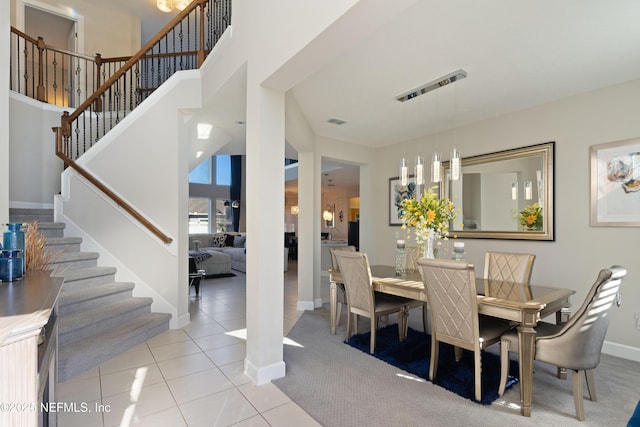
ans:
(413, 355)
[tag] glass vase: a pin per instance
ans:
(428, 246)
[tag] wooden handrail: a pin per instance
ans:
(135, 58)
(113, 196)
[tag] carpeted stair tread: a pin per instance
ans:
(30, 214)
(92, 351)
(100, 317)
(88, 273)
(67, 244)
(71, 300)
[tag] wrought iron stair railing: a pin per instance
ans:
(182, 44)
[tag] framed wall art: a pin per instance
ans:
(615, 184)
(397, 193)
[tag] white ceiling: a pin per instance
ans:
(518, 54)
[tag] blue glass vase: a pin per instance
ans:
(13, 239)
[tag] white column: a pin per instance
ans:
(265, 232)
(307, 218)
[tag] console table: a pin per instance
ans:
(28, 348)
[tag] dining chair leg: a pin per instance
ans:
(478, 373)
(591, 385)
(576, 378)
(403, 323)
(338, 313)
(458, 353)
(374, 327)
(504, 366)
(433, 363)
(348, 324)
(425, 319)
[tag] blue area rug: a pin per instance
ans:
(413, 354)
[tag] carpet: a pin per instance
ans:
(413, 355)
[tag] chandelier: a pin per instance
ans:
(168, 5)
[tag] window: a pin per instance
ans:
(202, 173)
(224, 221)
(223, 170)
(199, 215)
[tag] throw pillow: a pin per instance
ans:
(239, 240)
(229, 240)
(218, 240)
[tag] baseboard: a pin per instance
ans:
(621, 350)
(305, 305)
(265, 374)
(177, 323)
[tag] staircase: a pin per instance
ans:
(98, 318)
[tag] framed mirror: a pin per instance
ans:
(504, 195)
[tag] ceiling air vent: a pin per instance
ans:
(433, 85)
(335, 121)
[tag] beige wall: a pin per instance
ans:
(579, 251)
(109, 30)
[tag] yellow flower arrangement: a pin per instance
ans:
(427, 213)
(530, 217)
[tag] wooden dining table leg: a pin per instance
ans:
(333, 298)
(526, 344)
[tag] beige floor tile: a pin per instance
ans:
(257, 421)
(91, 417)
(225, 355)
(141, 346)
(232, 325)
(217, 341)
(287, 415)
(177, 349)
(203, 329)
(122, 381)
(220, 409)
(168, 337)
(82, 390)
(186, 365)
(235, 373)
(137, 403)
(264, 397)
(128, 360)
(200, 384)
(171, 417)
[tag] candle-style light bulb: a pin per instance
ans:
(455, 164)
(403, 172)
(435, 167)
(419, 170)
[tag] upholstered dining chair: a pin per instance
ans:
(363, 301)
(452, 296)
(577, 344)
(507, 275)
(341, 297)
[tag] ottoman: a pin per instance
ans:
(212, 262)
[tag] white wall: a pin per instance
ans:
(579, 251)
(34, 166)
(4, 112)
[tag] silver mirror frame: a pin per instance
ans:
(547, 150)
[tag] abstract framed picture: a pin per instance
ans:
(397, 193)
(615, 184)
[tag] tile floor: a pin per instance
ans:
(187, 377)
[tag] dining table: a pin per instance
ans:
(545, 301)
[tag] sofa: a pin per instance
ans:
(229, 243)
